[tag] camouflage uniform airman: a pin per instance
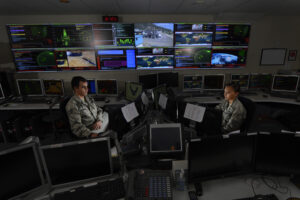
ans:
(233, 115)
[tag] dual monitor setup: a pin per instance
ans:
(56, 47)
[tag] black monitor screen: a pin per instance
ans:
(169, 78)
(213, 158)
(285, 83)
(242, 80)
(133, 90)
(92, 87)
(54, 87)
(260, 81)
(30, 87)
(192, 58)
(278, 154)
(116, 59)
(231, 35)
(30, 36)
(75, 162)
(148, 81)
(113, 35)
(154, 35)
(19, 172)
(165, 138)
(34, 60)
(213, 82)
(229, 58)
(107, 87)
(192, 82)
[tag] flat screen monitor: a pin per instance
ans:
(133, 90)
(34, 60)
(170, 79)
(2, 96)
(30, 87)
(193, 58)
(154, 34)
(214, 82)
(285, 83)
(165, 138)
(192, 82)
(226, 157)
(155, 58)
(76, 162)
(260, 81)
(113, 35)
(203, 39)
(278, 154)
(92, 86)
(81, 59)
(232, 35)
(148, 81)
(107, 87)
(194, 27)
(241, 79)
(229, 58)
(53, 87)
(20, 172)
(116, 59)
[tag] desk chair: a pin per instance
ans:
(250, 108)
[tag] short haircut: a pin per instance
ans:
(235, 86)
(75, 81)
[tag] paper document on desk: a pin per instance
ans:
(162, 101)
(130, 112)
(145, 99)
(194, 112)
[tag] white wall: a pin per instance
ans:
(266, 32)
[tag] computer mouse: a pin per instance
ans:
(49, 102)
(107, 100)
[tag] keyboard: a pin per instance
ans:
(261, 197)
(108, 190)
(36, 100)
(284, 95)
(248, 93)
(99, 98)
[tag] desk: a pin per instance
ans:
(237, 187)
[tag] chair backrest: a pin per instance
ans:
(250, 108)
(62, 107)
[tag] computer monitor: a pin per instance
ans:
(116, 59)
(168, 78)
(241, 79)
(285, 83)
(92, 86)
(226, 157)
(53, 87)
(260, 81)
(193, 58)
(148, 81)
(2, 96)
(153, 34)
(77, 162)
(165, 138)
(229, 58)
(30, 87)
(192, 82)
(107, 87)
(81, 59)
(278, 154)
(214, 82)
(195, 38)
(133, 90)
(20, 172)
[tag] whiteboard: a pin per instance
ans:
(273, 56)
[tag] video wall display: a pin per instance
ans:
(116, 46)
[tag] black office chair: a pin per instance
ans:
(62, 108)
(250, 108)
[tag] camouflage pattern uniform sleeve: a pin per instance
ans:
(220, 106)
(77, 127)
(236, 120)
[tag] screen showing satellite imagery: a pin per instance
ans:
(193, 39)
(192, 58)
(81, 58)
(191, 83)
(229, 57)
(154, 35)
(53, 87)
(155, 58)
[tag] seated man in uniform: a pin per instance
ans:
(85, 117)
(233, 111)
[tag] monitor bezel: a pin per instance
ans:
(111, 95)
(245, 88)
(62, 84)
(38, 164)
(41, 84)
(223, 75)
(1, 90)
(190, 89)
(280, 75)
(171, 125)
(96, 88)
(43, 148)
